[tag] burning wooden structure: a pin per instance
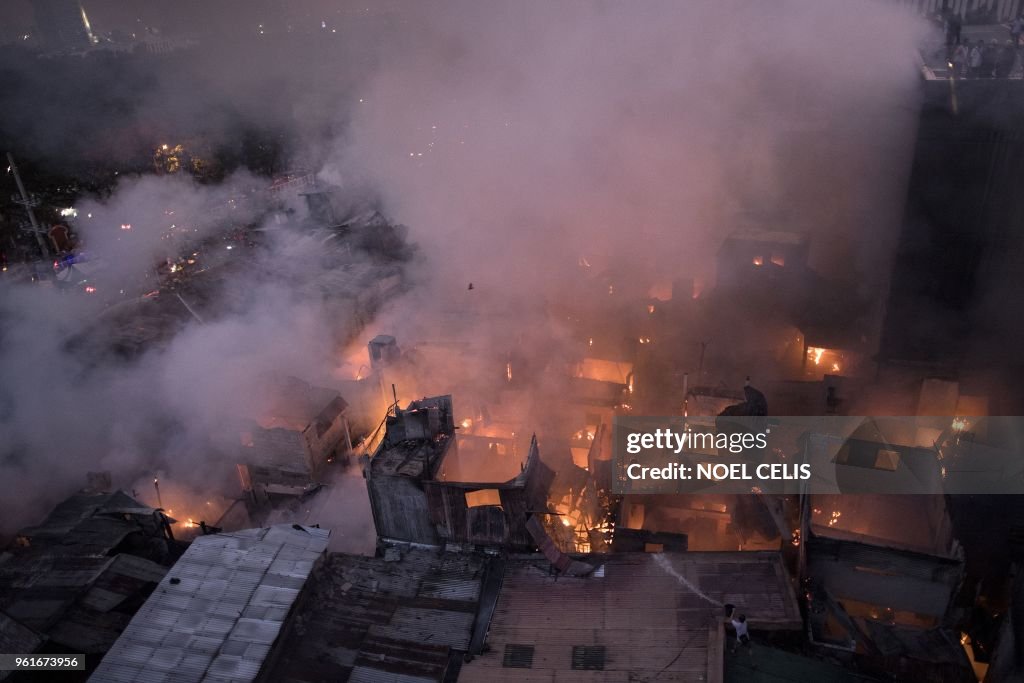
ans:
(413, 500)
(751, 259)
(884, 592)
(284, 450)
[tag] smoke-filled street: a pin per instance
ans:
(418, 341)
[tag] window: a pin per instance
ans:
(867, 455)
(887, 460)
(518, 657)
(483, 497)
(588, 657)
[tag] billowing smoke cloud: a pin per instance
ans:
(526, 135)
(522, 141)
(153, 217)
(517, 141)
(69, 406)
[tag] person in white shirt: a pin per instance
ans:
(974, 61)
(739, 623)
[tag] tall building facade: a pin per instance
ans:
(957, 285)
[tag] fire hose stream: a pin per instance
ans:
(663, 562)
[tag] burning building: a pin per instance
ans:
(284, 450)
(602, 381)
(710, 401)
(427, 487)
(709, 521)
(883, 591)
(831, 352)
(919, 562)
(752, 259)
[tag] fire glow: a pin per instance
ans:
(826, 358)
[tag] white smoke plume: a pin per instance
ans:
(515, 139)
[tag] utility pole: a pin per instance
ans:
(29, 203)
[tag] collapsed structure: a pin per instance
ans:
(884, 593)
(72, 582)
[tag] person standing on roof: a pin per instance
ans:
(1016, 28)
(975, 60)
(961, 57)
(739, 623)
(989, 55)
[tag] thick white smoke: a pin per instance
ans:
(514, 139)
(520, 136)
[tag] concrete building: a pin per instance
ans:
(956, 269)
(415, 614)
(638, 617)
(410, 615)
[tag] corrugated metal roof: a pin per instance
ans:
(16, 638)
(94, 621)
(937, 645)
(374, 619)
(363, 674)
(218, 610)
(61, 570)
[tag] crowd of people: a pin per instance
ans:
(981, 59)
(984, 60)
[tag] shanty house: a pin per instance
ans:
(284, 449)
(417, 494)
(74, 581)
